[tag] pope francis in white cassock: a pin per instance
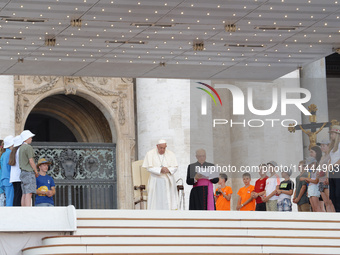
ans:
(162, 188)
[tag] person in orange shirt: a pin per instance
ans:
(246, 202)
(223, 194)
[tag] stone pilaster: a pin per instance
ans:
(124, 183)
(250, 146)
(163, 113)
(7, 123)
(201, 130)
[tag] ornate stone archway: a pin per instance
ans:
(82, 118)
(114, 99)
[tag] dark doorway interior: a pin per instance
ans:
(68, 118)
(48, 129)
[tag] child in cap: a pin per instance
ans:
(45, 185)
(246, 202)
(285, 192)
(223, 194)
(6, 170)
(28, 168)
(334, 175)
(313, 187)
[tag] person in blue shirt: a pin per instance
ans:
(45, 185)
(6, 170)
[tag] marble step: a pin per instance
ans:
(180, 249)
(192, 240)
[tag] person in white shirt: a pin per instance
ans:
(15, 171)
(162, 188)
(272, 184)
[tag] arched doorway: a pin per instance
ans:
(74, 134)
(91, 110)
(68, 118)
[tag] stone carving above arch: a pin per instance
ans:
(43, 79)
(116, 103)
(70, 86)
(98, 80)
(127, 80)
(114, 90)
(20, 93)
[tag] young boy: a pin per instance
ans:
(300, 195)
(223, 194)
(285, 191)
(28, 168)
(272, 184)
(45, 185)
(246, 202)
(259, 189)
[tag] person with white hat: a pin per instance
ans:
(15, 170)
(28, 168)
(334, 174)
(162, 188)
(6, 170)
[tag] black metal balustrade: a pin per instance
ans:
(84, 173)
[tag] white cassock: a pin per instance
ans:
(162, 188)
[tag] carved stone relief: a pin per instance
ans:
(27, 86)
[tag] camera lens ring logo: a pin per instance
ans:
(204, 99)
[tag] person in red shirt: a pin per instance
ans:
(223, 194)
(246, 202)
(259, 190)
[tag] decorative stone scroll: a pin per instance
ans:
(87, 81)
(41, 84)
(50, 83)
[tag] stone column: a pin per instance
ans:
(245, 146)
(201, 131)
(163, 112)
(124, 183)
(7, 123)
(313, 78)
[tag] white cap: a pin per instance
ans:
(161, 141)
(8, 141)
(273, 163)
(26, 134)
(17, 141)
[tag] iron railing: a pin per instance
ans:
(84, 173)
